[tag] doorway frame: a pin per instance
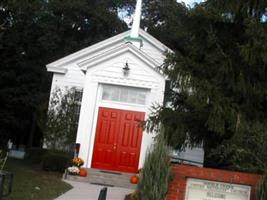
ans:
(114, 105)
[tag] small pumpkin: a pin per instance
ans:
(134, 179)
(83, 172)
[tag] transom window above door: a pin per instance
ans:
(124, 94)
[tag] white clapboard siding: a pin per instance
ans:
(138, 70)
(73, 78)
(151, 47)
(153, 52)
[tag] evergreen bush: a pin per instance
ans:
(155, 174)
(35, 155)
(55, 161)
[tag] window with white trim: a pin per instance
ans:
(124, 94)
(77, 103)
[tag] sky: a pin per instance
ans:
(190, 2)
(128, 19)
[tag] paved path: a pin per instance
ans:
(86, 191)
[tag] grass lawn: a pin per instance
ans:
(34, 184)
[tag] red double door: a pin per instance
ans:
(118, 140)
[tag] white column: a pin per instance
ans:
(85, 132)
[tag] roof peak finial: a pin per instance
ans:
(136, 21)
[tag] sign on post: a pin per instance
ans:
(198, 189)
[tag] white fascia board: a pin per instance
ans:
(99, 55)
(156, 43)
(116, 52)
(90, 50)
(58, 70)
(79, 55)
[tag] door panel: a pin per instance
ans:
(118, 140)
(108, 123)
(129, 141)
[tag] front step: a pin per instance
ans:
(105, 178)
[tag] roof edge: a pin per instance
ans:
(89, 49)
(103, 44)
(117, 51)
(58, 70)
(154, 40)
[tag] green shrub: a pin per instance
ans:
(3, 158)
(55, 161)
(36, 155)
(155, 175)
(60, 126)
(262, 189)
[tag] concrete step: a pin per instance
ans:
(105, 178)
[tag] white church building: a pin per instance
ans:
(119, 81)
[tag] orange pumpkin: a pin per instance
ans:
(83, 172)
(134, 179)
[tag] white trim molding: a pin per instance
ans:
(58, 70)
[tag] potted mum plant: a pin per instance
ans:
(76, 164)
(73, 170)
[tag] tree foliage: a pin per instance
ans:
(155, 175)
(163, 19)
(218, 76)
(33, 34)
(61, 123)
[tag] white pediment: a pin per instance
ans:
(118, 51)
(152, 50)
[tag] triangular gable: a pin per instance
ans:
(100, 49)
(119, 50)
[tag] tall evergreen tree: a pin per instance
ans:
(163, 19)
(218, 77)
